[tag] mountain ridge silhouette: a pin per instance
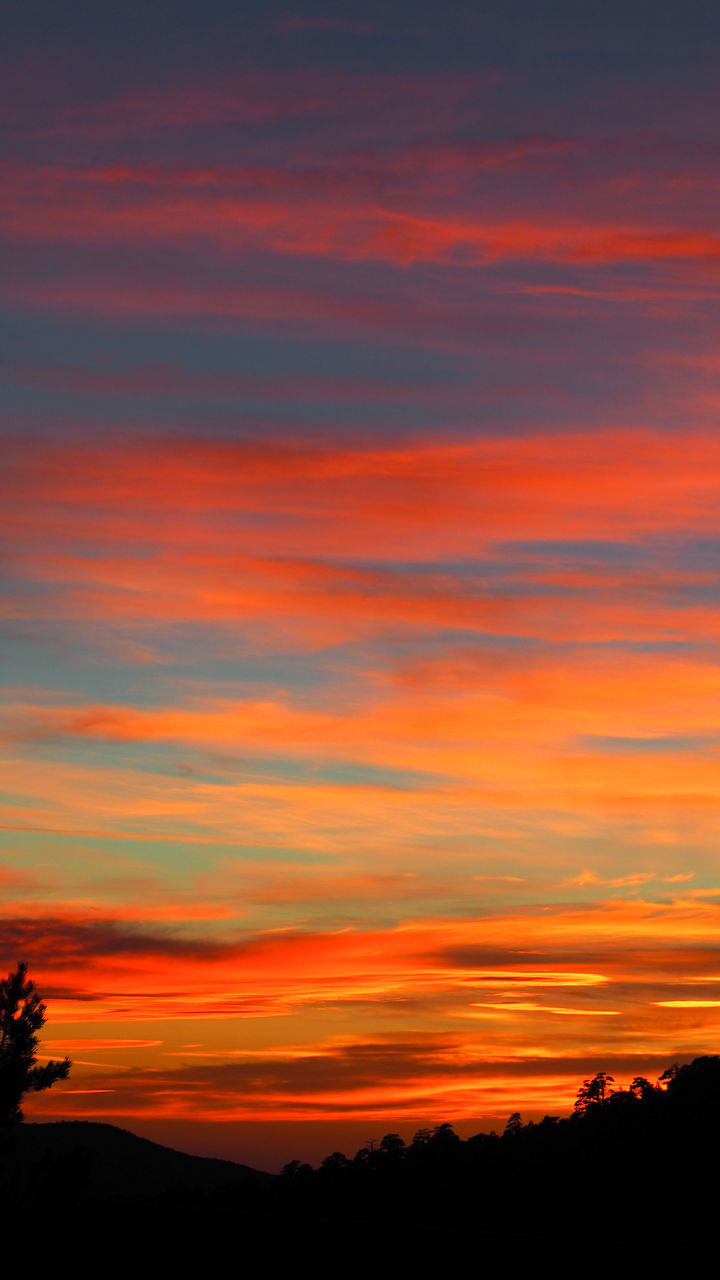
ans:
(632, 1173)
(111, 1162)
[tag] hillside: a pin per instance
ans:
(99, 1163)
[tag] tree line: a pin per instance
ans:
(604, 1172)
(629, 1164)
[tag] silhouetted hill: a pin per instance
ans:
(93, 1163)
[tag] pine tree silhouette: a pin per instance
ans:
(22, 1014)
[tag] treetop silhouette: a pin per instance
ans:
(22, 1014)
(594, 1092)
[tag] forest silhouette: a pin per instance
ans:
(626, 1164)
(631, 1168)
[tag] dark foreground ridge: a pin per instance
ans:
(79, 1160)
(632, 1174)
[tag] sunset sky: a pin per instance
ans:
(360, 512)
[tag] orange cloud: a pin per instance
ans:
(229, 512)
(619, 966)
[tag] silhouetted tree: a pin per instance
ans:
(642, 1090)
(696, 1082)
(513, 1126)
(593, 1092)
(22, 1014)
(335, 1163)
(444, 1135)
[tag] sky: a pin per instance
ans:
(360, 693)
